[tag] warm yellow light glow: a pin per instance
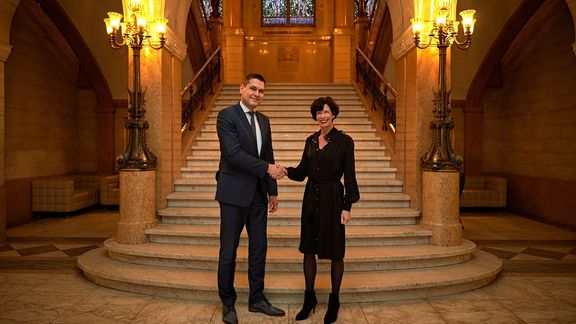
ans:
(135, 5)
(161, 26)
(416, 26)
(468, 20)
(455, 25)
(140, 20)
(114, 20)
(418, 8)
(441, 17)
(109, 29)
(443, 4)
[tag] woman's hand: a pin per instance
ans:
(345, 217)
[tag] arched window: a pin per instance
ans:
(208, 8)
(288, 12)
(365, 8)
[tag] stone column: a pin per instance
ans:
(342, 51)
(440, 209)
(233, 41)
(137, 206)
(5, 50)
(161, 80)
(7, 9)
(415, 78)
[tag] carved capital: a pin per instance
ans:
(403, 44)
(175, 44)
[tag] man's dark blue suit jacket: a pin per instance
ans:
(240, 167)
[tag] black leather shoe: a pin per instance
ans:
(265, 307)
(229, 315)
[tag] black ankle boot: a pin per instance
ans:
(309, 305)
(333, 307)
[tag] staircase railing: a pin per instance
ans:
(375, 85)
(199, 88)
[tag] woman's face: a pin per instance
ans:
(324, 117)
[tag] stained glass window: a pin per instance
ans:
(288, 12)
(369, 6)
(207, 9)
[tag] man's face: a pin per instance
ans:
(252, 93)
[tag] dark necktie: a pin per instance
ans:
(253, 124)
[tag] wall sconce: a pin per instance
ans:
(443, 34)
(134, 32)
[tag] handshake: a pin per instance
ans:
(276, 171)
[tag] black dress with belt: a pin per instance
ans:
(325, 196)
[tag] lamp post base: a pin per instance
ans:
(137, 205)
(440, 208)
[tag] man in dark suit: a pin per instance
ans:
(246, 190)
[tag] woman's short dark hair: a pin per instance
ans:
(318, 105)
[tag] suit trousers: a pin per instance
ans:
(232, 221)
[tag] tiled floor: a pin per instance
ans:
(40, 284)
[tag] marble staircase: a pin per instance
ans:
(388, 255)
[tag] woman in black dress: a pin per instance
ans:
(328, 156)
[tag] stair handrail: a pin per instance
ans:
(375, 85)
(199, 91)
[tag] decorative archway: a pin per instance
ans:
(473, 108)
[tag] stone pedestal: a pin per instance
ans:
(137, 205)
(440, 207)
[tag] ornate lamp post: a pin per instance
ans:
(441, 166)
(137, 164)
(443, 33)
(135, 32)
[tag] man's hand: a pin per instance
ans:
(276, 171)
(272, 203)
(346, 216)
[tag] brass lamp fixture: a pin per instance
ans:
(443, 34)
(136, 32)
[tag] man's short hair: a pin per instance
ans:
(251, 76)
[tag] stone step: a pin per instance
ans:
(289, 100)
(289, 259)
(290, 144)
(287, 288)
(312, 92)
(291, 199)
(364, 163)
(308, 128)
(316, 87)
(290, 216)
(281, 102)
(303, 113)
(289, 236)
(282, 152)
(291, 94)
(294, 136)
(286, 185)
(368, 173)
(306, 121)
